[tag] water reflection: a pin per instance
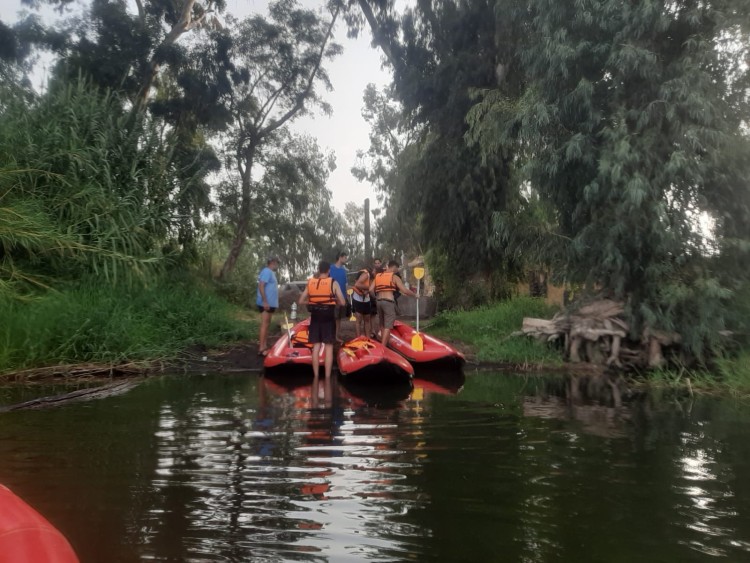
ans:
(224, 468)
(593, 402)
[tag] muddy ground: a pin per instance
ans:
(241, 356)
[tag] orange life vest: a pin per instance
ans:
(363, 292)
(320, 291)
(384, 282)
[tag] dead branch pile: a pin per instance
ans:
(597, 333)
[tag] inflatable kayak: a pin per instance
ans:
(27, 537)
(364, 360)
(289, 354)
(435, 350)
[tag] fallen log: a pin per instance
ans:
(88, 394)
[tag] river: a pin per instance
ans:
(506, 468)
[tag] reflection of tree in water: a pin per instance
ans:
(594, 402)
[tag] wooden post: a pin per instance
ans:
(368, 249)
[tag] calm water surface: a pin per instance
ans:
(240, 468)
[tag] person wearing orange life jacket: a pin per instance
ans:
(361, 303)
(321, 296)
(383, 287)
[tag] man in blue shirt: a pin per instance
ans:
(338, 273)
(267, 300)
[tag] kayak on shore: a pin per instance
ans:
(293, 350)
(364, 360)
(434, 351)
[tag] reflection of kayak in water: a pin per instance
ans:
(364, 360)
(435, 351)
(27, 537)
(381, 396)
(438, 383)
(286, 355)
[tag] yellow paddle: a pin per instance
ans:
(416, 340)
(349, 293)
(288, 326)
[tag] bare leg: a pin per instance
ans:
(386, 334)
(328, 360)
(315, 360)
(338, 327)
(314, 393)
(328, 390)
(265, 321)
(367, 325)
(357, 326)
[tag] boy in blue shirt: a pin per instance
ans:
(338, 273)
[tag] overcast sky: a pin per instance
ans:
(345, 131)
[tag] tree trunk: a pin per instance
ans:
(243, 220)
(368, 250)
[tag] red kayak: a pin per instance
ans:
(365, 360)
(26, 537)
(297, 353)
(435, 350)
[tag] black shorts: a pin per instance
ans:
(322, 327)
(362, 307)
(262, 310)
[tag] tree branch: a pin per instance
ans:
(378, 36)
(302, 96)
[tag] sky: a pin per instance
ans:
(345, 131)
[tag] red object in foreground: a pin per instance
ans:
(371, 362)
(26, 537)
(435, 350)
(297, 353)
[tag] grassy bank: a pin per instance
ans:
(730, 374)
(487, 331)
(94, 322)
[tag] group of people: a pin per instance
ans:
(374, 293)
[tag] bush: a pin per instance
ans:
(489, 330)
(101, 323)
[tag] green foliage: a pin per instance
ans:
(82, 189)
(489, 331)
(465, 289)
(276, 71)
(97, 322)
(629, 125)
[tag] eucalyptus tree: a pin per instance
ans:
(277, 70)
(445, 51)
(291, 215)
(631, 124)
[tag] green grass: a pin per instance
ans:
(730, 375)
(96, 322)
(488, 332)
(735, 372)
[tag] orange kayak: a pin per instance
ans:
(27, 537)
(435, 350)
(365, 360)
(297, 353)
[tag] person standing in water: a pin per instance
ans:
(322, 294)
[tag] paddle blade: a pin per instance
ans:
(419, 272)
(416, 343)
